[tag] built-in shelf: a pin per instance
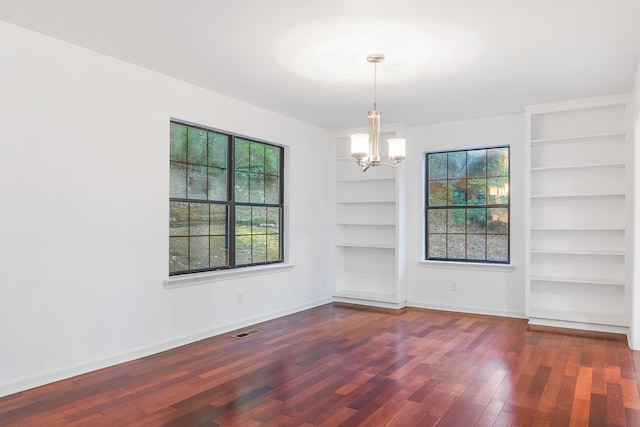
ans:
(576, 196)
(577, 138)
(576, 167)
(576, 259)
(607, 282)
(365, 202)
(367, 229)
(564, 252)
(364, 245)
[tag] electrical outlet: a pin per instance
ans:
(240, 297)
(454, 286)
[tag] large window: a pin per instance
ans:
(467, 212)
(226, 204)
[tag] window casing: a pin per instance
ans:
(226, 200)
(467, 205)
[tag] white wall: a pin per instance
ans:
(84, 176)
(634, 335)
(485, 289)
(636, 94)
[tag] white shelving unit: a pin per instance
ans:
(367, 222)
(576, 187)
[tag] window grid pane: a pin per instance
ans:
(467, 212)
(222, 214)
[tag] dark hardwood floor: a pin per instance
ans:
(336, 365)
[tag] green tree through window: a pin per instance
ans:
(226, 205)
(467, 212)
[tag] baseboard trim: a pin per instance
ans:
(43, 378)
(467, 310)
(578, 326)
(369, 302)
(371, 308)
(578, 332)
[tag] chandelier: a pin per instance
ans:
(366, 147)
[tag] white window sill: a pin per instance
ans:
(214, 276)
(458, 265)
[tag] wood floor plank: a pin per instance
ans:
(339, 418)
(490, 414)
(615, 405)
(337, 365)
(506, 419)
(630, 396)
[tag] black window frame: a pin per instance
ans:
(427, 207)
(231, 202)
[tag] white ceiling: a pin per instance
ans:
(307, 59)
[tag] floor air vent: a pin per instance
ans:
(246, 334)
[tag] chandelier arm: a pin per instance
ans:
(395, 166)
(367, 165)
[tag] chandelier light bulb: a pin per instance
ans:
(397, 149)
(360, 145)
